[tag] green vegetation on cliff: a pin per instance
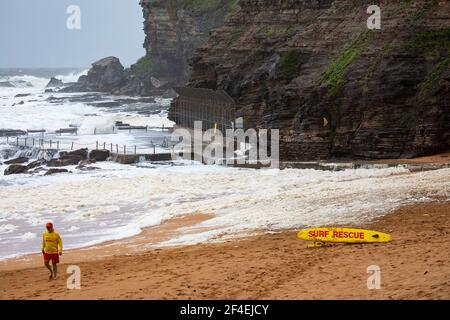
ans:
(333, 77)
(426, 43)
(290, 63)
(277, 32)
(432, 39)
(142, 67)
(235, 35)
(433, 77)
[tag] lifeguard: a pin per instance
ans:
(51, 249)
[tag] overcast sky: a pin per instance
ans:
(33, 33)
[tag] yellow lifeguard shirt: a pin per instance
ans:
(51, 242)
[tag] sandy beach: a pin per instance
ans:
(416, 265)
(187, 152)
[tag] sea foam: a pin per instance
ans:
(114, 202)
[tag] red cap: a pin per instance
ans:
(49, 225)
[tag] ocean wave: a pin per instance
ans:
(97, 125)
(8, 228)
(35, 81)
(117, 203)
(26, 81)
(72, 76)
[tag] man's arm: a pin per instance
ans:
(60, 245)
(43, 244)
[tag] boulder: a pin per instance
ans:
(35, 164)
(15, 169)
(17, 160)
(76, 156)
(126, 158)
(99, 155)
(80, 152)
(69, 158)
(86, 168)
(21, 95)
(54, 82)
(36, 170)
(54, 171)
(86, 162)
(61, 163)
(105, 75)
(82, 79)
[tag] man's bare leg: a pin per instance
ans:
(47, 264)
(55, 270)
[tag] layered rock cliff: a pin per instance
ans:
(295, 65)
(175, 28)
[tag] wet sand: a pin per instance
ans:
(416, 265)
(148, 239)
(441, 158)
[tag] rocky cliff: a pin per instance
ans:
(295, 65)
(175, 28)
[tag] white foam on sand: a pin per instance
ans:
(7, 228)
(119, 201)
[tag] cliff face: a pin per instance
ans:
(291, 63)
(175, 28)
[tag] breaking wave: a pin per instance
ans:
(39, 81)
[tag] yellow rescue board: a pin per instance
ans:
(343, 235)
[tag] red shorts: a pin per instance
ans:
(49, 256)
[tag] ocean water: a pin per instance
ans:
(94, 114)
(117, 201)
